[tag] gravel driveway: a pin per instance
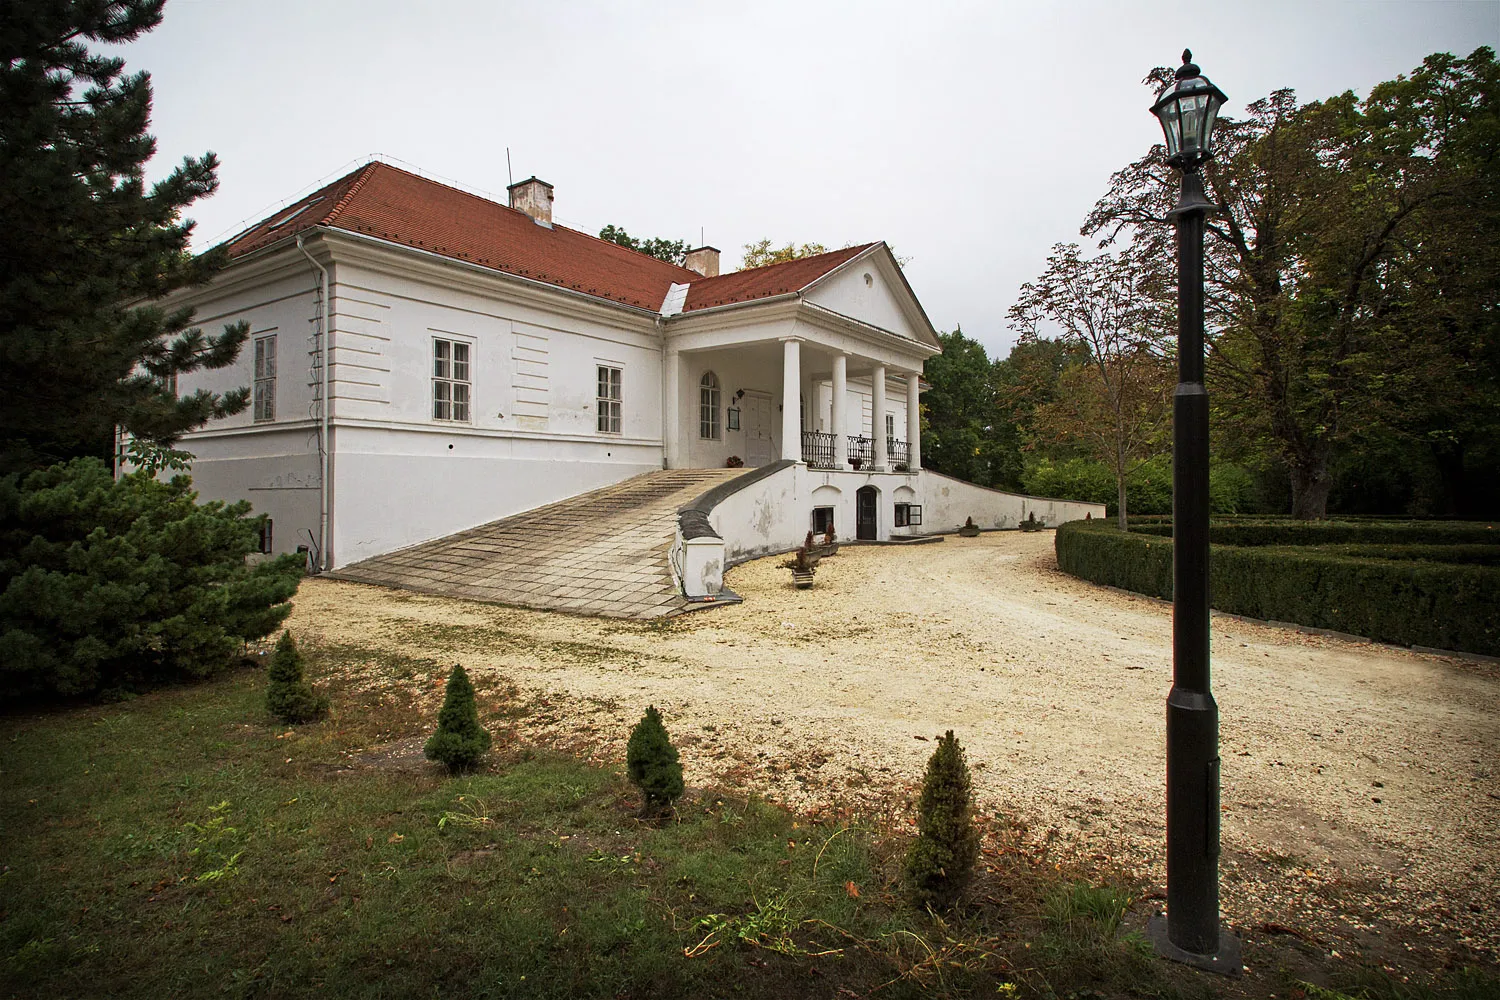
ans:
(1360, 790)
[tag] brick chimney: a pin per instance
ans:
(534, 197)
(704, 260)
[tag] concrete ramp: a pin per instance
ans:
(600, 553)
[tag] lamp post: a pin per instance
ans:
(1189, 931)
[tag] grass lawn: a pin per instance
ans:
(180, 844)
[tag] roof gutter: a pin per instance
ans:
(325, 446)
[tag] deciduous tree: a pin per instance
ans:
(1331, 286)
(671, 251)
(1114, 400)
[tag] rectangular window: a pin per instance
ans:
(908, 515)
(822, 520)
(708, 407)
(890, 425)
(265, 379)
(265, 535)
(609, 400)
(451, 380)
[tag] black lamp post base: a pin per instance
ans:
(1225, 961)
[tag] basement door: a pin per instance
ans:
(757, 423)
(866, 502)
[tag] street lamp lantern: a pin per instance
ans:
(1189, 931)
(1187, 111)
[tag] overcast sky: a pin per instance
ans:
(969, 136)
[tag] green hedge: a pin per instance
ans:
(1285, 531)
(1409, 601)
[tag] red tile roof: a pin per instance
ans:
(392, 204)
(762, 282)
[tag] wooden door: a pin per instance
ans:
(866, 504)
(757, 420)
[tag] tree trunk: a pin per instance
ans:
(1120, 487)
(1311, 484)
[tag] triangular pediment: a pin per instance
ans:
(871, 289)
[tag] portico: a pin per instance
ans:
(798, 382)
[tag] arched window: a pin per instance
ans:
(708, 407)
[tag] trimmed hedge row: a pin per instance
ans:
(1289, 532)
(1412, 602)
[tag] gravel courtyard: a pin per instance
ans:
(1360, 793)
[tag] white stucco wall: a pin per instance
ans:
(859, 401)
(764, 517)
(533, 370)
(273, 465)
(947, 502)
(757, 370)
(275, 468)
(398, 486)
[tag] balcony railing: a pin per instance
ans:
(817, 449)
(897, 452)
(860, 449)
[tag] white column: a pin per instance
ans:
(877, 418)
(840, 428)
(671, 410)
(791, 386)
(913, 421)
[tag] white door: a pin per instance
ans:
(757, 417)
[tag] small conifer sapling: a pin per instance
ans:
(941, 862)
(290, 698)
(652, 764)
(460, 740)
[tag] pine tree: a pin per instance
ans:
(110, 586)
(290, 698)
(652, 764)
(941, 862)
(83, 235)
(460, 740)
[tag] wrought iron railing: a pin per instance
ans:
(817, 449)
(897, 452)
(860, 449)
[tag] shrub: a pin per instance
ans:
(941, 862)
(652, 764)
(109, 586)
(460, 740)
(290, 698)
(1403, 597)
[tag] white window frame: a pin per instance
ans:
(264, 403)
(452, 380)
(831, 517)
(610, 398)
(710, 395)
(907, 515)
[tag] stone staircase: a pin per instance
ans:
(599, 553)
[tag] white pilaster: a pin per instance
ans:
(671, 418)
(913, 421)
(791, 386)
(877, 418)
(840, 427)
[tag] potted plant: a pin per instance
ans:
(803, 565)
(855, 463)
(733, 462)
(1032, 524)
(970, 529)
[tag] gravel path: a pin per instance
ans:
(1360, 789)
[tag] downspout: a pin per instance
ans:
(661, 330)
(325, 446)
